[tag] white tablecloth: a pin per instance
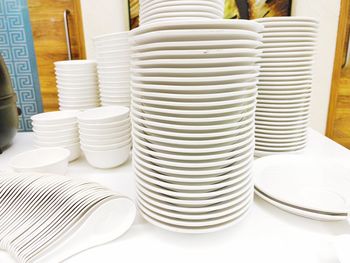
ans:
(266, 235)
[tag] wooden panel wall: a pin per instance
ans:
(50, 42)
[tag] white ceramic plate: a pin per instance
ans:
(195, 35)
(193, 45)
(187, 10)
(199, 53)
(199, 24)
(315, 184)
(315, 215)
(183, 89)
(201, 62)
(195, 72)
(196, 80)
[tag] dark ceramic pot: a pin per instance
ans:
(8, 109)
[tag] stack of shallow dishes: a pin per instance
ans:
(160, 10)
(105, 135)
(194, 93)
(113, 67)
(57, 129)
(285, 84)
(77, 84)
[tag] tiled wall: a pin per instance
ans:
(16, 46)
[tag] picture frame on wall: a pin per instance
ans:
(234, 9)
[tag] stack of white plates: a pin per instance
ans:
(163, 10)
(285, 84)
(312, 187)
(77, 84)
(113, 67)
(194, 93)
(48, 218)
(57, 129)
(105, 135)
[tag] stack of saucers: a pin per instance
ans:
(77, 84)
(113, 58)
(105, 135)
(57, 129)
(160, 10)
(194, 94)
(285, 84)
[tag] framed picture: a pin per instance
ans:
(234, 9)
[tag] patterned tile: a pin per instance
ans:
(16, 46)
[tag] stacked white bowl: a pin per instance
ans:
(77, 84)
(105, 135)
(193, 105)
(113, 67)
(285, 83)
(160, 10)
(57, 129)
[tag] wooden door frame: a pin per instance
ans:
(342, 43)
(78, 18)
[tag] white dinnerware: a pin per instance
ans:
(64, 216)
(285, 82)
(44, 160)
(105, 136)
(193, 104)
(77, 84)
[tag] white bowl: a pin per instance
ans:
(54, 143)
(83, 70)
(117, 73)
(105, 131)
(54, 127)
(55, 117)
(114, 64)
(104, 147)
(56, 133)
(109, 139)
(103, 126)
(56, 139)
(78, 101)
(107, 103)
(79, 105)
(104, 142)
(75, 151)
(76, 82)
(108, 159)
(81, 97)
(116, 101)
(43, 160)
(75, 64)
(115, 85)
(104, 115)
(105, 79)
(92, 90)
(112, 69)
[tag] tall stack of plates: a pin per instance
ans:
(160, 10)
(77, 84)
(193, 104)
(113, 67)
(285, 84)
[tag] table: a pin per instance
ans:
(268, 234)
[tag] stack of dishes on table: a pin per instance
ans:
(285, 81)
(57, 129)
(193, 105)
(105, 135)
(48, 218)
(77, 84)
(160, 10)
(113, 67)
(308, 186)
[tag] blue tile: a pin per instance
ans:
(17, 48)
